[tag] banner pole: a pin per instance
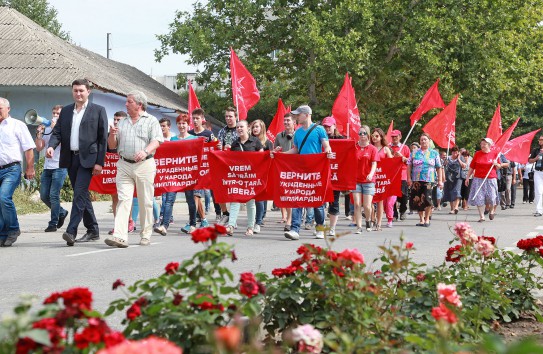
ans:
(408, 135)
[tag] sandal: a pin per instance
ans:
(249, 232)
(229, 231)
(491, 216)
(456, 211)
(377, 228)
(282, 221)
(481, 220)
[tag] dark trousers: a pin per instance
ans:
(80, 178)
(403, 200)
(189, 197)
(528, 189)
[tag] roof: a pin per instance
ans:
(32, 56)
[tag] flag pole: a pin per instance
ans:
(448, 144)
(408, 134)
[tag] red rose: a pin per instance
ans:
(351, 256)
(117, 283)
(491, 239)
(177, 298)
(142, 301)
(206, 305)
(248, 289)
(454, 254)
(113, 338)
(444, 313)
(220, 229)
(172, 268)
(339, 272)
(90, 334)
(421, 277)
(78, 298)
(52, 299)
(332, 255)
(25, 345)
(133, 312)
(261, 288)
(204, 234)
(530, 243)
(409, 245)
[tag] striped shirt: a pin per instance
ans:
(134, 137)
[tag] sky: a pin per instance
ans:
(133, 25)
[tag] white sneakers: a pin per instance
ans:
(256, 229)
(292, 235)
(319, 234)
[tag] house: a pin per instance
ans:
(37, 69)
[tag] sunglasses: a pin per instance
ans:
(362, 133)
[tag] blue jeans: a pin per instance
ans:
(9, 180)
(297, 217)
(309, 215)
(51, 182)
(168, 199)
(260, 211)
(207, 194)
(189, 196)
(136, 210)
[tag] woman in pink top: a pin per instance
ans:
(379, 140)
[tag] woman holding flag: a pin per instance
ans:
(484, 189)
(379, 140)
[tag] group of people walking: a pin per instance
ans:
(78, 138)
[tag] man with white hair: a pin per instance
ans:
(14, 137)
(136, 138)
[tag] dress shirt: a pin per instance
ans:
(76, 122)
(14, 137)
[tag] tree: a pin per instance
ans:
(40, 12)
(486, 51)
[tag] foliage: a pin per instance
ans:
(190, 299)
(324, 300)
(394, 50)
(40, 12)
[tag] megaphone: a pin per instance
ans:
(32, 118)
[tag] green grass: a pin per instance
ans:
(25, 204)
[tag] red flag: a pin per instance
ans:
(244, 91)
(277, 124)
(495, 128)
(504, 138)
(345, 110)
(193, 102)
(442, 127)
(518, 149)
(432, 99)
(389, 131)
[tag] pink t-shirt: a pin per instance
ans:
(366, 156)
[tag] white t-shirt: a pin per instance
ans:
(50, 163)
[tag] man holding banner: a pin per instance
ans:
(310, 138)
(284, 141)
(136, 139)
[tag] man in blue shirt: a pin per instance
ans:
(315, 143)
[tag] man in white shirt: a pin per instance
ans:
(52, 177)
(14, 138)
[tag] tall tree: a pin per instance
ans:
(40, 12)
(299, 50)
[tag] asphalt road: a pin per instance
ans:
(40, 263)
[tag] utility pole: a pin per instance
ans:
(108, 48)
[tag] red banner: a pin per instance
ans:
(105, 183)
(239, 176)
(388, 178)
(204, 179)
(177, 165)
(302, 180)
(345, 110)
(342, 164)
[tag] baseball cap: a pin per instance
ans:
(302, 109)
(488, 140)
(328, 121)
(396, 132)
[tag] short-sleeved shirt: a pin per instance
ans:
(50, 163)
(227, 136)
(366, 156)
(134, 137)
(252, 144)
(424, 164)
(14, 137)
(538, 164)
(482, 162)
(208, 134)
(177, 138)
(406, 153)
(284, 140)
(313, 143)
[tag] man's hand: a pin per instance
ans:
(97, 170)
(49, 153)
(30, 173)
(140, 156)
